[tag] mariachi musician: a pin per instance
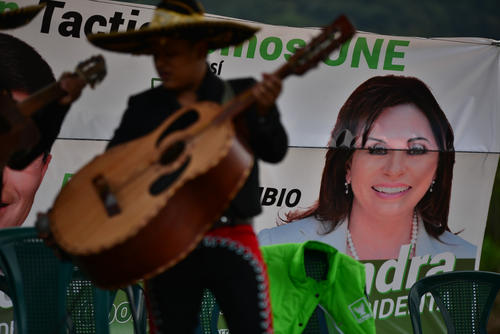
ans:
(26, 141)
(19, 77)
(227, 260)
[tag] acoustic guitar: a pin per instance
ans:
(142, 206)
(18, 132)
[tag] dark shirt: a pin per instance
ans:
(265, 136)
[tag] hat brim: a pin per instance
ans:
(11, 19)
(217, 34)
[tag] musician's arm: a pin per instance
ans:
(266, 93)
(268, 138)
(72, 85)
(49, 121)
(262, 131)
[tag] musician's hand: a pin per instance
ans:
(73, 85)
(266, 92)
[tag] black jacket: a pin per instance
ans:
(265, 136)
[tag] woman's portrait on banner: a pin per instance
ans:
(387, 177)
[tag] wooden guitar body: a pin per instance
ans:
(175, 231)
(152, 231)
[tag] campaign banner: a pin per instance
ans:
(462, 74)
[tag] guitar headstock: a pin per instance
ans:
(92, 70)
(331, 38)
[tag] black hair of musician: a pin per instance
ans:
(22, 67)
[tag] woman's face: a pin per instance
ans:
(395, 169)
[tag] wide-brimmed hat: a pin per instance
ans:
(182, 19)
(15, 18)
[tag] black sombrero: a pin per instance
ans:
(183, 19)
(15, 18)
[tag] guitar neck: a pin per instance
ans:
(246, 99)
(331, 37)
(91, 71)
(40, 99)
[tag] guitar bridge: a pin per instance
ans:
(107, 197)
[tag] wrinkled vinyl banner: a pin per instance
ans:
(462, 74)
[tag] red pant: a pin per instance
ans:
(229, 263)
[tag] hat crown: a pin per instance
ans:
(178, 19)
(185, 7)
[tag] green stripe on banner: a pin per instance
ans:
(67, 177)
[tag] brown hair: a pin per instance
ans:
(356, 116)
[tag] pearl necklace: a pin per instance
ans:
(413, 241)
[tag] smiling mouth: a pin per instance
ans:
(391, 190)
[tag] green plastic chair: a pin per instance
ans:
(87, 307)
(49, 295)
(209, 314)
(465, 299)
(136, 297)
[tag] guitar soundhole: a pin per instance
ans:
(108, 199)
(184, 121)
(172, 153)
(164, 181)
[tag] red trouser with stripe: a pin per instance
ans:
(229, 263)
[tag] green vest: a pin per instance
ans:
(295, 296)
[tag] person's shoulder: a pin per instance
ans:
(460, 247)
(298, 231)
(147, 95)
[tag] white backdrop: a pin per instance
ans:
(463, 74)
